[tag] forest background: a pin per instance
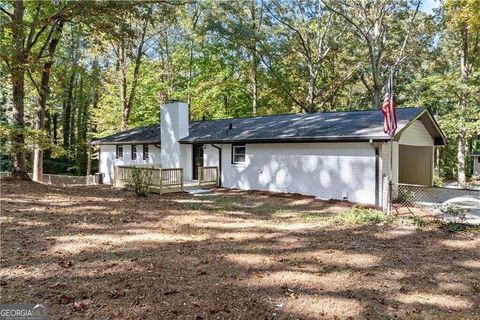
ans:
(72, 71)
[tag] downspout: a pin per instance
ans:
(377, 170)
(219, 164)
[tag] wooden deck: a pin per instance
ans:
(166, 180)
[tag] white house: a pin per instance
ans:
(337, 155)
(476, 163)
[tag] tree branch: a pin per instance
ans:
(302, 40)
(35, 84)
(6, 12)
(32, 25)
(338, 86)
(400, 54)
(356, 26)
(40, 53)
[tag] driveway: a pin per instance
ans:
(454, 205)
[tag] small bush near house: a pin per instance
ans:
(358, 215)
(141, 181)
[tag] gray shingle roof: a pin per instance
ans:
(327, 126)
(321, 126)
(141, 135)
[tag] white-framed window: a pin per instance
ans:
(145, 152)
(238, 154)
(134, 152)
(119, 154)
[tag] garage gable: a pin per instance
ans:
(416, 135)
(423, 130)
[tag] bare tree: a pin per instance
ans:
(312, 32)
(372, 22)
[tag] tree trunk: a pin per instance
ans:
(377, 85)
(89, 159)
(312, 83)
(254, 93)
(122, 63)
(462, 139)
(94, 106)
(377, 96)
(19, 169)
(127, 103)
(54, 128)
(67, 111)
(254, 59)
(195, 18)
(253, 79)
(73, 122)
(44, 90)
(81, 150)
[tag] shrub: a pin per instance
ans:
(5, 163)
(141, 181)
(438, 181)
(419, 222)
(358, 215)
(406, 196)
(454, 227)
(58, 166)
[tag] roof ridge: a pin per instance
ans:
(298, 113)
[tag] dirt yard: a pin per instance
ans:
(98, 253)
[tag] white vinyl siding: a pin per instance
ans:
(476, 166)
(107, 159)
(416, 135)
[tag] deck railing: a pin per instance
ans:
(162, 179)
(171, 178)
(208, 176)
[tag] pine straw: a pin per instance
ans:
(95, 252)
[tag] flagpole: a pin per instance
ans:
(390, 183)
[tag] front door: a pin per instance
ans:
(197, 159)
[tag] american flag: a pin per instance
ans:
(389, 111)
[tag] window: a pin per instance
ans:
(134, 152)
(119, 152)
(238, 153)
(145, 152)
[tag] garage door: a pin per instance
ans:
(416, 165)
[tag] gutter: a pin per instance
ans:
(377, 170)
(219, 164)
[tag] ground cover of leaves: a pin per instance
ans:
(92, 252)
